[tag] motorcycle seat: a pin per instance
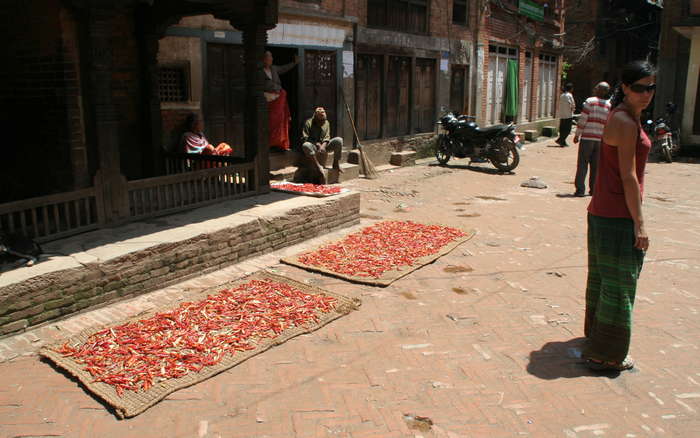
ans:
(491, 130)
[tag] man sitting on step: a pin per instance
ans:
(317, 143)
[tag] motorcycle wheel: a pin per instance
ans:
(666, 150)
(505, 156)
(443, 151)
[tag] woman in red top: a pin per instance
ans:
(617, 239)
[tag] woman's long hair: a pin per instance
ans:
(632, 72)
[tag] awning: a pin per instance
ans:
(531, 9)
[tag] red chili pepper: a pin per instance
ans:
(382, 247)
(308, 188)
(195, 335)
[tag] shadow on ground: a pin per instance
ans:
(487, 170)
(557, 360)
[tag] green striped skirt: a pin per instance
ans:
(614, 265)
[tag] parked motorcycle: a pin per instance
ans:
(461, 137)
(664, 139)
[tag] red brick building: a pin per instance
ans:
(679, 69)
(398, 64)
(604, 35)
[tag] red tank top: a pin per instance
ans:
(608, 193)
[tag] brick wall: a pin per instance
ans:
(51, 296)
(514, 30)
(40, 101)
(332, 7)
(674, 55)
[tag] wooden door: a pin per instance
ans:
(425, 98)
(368, 84)
(225, 97)
(320, 86)
(398, 88)
(457, 87)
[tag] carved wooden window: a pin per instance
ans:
(460, 12)
(174, 83)
(403, 15)
(694, 7)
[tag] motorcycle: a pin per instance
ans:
(664, 139)
(461, 137)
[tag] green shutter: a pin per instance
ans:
(512, 89)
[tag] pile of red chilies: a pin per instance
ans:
(382, 247)
(309, 188)
(137, 355)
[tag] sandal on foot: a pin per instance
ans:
(597, 365)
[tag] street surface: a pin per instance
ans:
(482, 343)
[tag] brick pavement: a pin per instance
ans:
(491, 352)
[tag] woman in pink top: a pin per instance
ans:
(617, 239)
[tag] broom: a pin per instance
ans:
(366, 166)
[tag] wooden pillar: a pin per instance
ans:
(149, 58)
(256, 120)
(109, 181)
(412, 98)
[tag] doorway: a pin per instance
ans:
(290, 82)
(226, 97)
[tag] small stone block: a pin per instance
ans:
(531, 134)
(404, 158)
(354, 157)
(549, 131)
(350, 171)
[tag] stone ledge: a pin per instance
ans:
(140, 257)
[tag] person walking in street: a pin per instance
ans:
(589, 131)
(317, 143)
(617, 239)
(565, 114)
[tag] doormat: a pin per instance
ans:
(382, 253)
(135, 364)
(316, 190)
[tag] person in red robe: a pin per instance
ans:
(276, 97)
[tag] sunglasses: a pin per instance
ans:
(641, 88)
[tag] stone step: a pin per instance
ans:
(404, 158)
(350, 171)
(282, 159)
(286, 173)
(296, 174)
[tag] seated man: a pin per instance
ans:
(317, 142)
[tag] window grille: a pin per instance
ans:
(173, 83)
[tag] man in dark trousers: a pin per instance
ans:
(589, 130)
(317, 143)
(565, 113)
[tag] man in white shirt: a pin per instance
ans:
(565, 114)
(589, 130)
